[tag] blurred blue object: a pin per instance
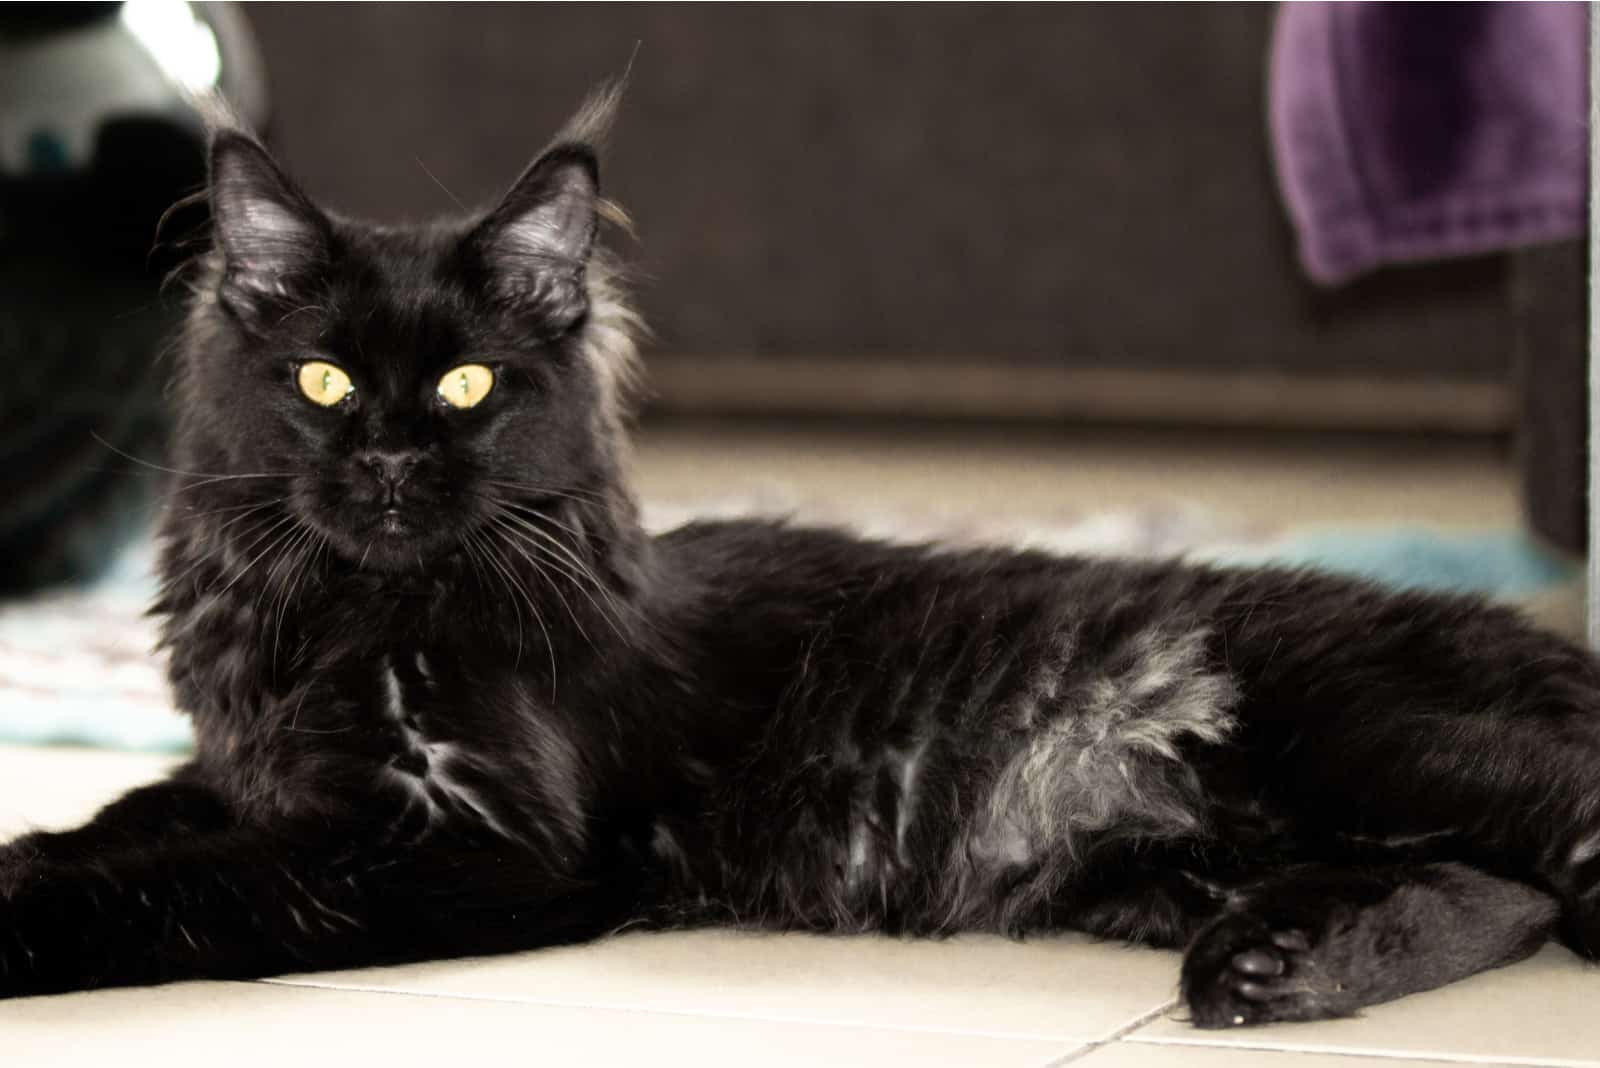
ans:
(1503, 564)
(77, 665)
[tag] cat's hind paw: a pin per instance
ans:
(1241, 970)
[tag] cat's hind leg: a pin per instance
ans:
(1155, 893)
(1325, 941)
(1373, 716)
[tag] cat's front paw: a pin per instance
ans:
(1243, 970)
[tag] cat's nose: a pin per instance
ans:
(389, 467)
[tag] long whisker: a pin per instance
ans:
(576, 532)
(281, 546)
(296, 554)
(192, 514)
(505, 581)
(553, 543)
(516, 544)
(273, 590)
(313, 555)
(313, 560)
(481, 564)
(527, 524)
(286, 518)
(297, 535)
(570, 493)
(211, 475)
(533, 607)
(207, 480)
(256, 528)
(259, 524)
(245, 515)
(523, 527)
(581, 580)
(538, 617)
(472, 557)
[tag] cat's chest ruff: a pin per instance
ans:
(435, 774)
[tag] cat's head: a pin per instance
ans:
(396, 389)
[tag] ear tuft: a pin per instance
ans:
(267, 230)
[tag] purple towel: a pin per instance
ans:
(1420, 131)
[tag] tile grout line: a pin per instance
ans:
(1328, 1050)
(747, 1017)
(1124, 1036)
(1126, 1029)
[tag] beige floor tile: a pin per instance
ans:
(1145, 1055)
(1542, 1011)
(1066, 988)
(1038, 473)
(43, 787)
(243, 1025)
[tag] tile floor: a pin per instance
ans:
(717, 998)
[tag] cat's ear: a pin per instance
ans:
(537, 242)
(268, 232)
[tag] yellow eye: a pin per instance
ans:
(323, 383)
(465, 386)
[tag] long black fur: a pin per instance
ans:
(449, 698)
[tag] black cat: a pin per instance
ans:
(450, 699)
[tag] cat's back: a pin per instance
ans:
(886, 597)
(832, 564)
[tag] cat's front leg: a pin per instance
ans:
(251, 902)
(139, 819)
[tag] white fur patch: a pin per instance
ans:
(436, 787)
(1105, 754)
(860, 859)
(910, 769)
(394, 698)
(1585, 850)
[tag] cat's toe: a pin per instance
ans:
(1240, 971)
(1292, 940)
(1260, 962)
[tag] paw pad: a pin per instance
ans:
(1244, 973)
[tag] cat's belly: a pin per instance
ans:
(965, 821)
